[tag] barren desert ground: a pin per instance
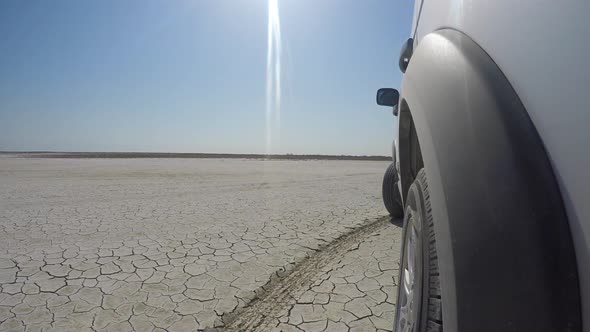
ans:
(195, 244)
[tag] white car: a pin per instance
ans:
(493, 167)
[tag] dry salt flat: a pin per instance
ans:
(194, 244)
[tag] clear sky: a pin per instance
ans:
(190, 75)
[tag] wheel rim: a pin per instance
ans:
(410, 288)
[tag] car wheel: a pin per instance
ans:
(391, 196)
(419, 305)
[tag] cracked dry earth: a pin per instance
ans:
(194, 244)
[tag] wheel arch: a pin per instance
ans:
(506, 256)
(409, 149)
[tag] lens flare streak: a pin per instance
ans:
(273, 77)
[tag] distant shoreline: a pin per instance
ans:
(133, 155)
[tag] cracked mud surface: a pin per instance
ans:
(348, 285)
(180, 245)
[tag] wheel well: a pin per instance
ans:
(410, 154)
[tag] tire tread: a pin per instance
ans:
(434, 318)
(391, 196)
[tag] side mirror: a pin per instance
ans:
(388, 97)
(406, 54)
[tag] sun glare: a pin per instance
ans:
(273, 77)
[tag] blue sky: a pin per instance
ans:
(190, 76)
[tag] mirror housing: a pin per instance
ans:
(406, 54)
(387, 97)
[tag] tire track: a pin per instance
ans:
(283, 289)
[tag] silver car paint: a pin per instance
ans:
(542, 47)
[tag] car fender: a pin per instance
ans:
(506, 258)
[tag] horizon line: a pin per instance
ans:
(123, 155)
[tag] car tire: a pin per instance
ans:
(391, 196)
(419, 303)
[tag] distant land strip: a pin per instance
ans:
(112, 155)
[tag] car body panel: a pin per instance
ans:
(541, 47)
